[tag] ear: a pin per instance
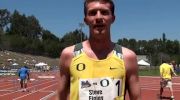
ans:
(113, 18)
(85, 20)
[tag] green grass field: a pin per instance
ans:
(151, 72)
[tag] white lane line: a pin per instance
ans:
(155, 77)
(34, 92)
(176, 83)
(48, 96)
(27, 88)
(175, 90)
(6, 90)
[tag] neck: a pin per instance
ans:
(101, 49)
(100, 44)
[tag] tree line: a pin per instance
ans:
(21, 33)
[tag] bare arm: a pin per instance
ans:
(64, 91)
(173, 72)
(161, 71)
(28, 75)
(132, 79)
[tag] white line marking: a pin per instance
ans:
(157, 89)
(6, 90)
(27, 88)
(34, 92)
(48, 96)
(46, 76)
(32, 79)
(155, 77)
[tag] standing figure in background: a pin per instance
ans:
(173, 64)
(23, 74)
(166, 74)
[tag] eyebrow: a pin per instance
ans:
(91, 9)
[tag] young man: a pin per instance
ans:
(23, 74)
(98, 69)
(166, 72)
(173, 64)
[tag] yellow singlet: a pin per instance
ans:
(166, 71)
(97, 79)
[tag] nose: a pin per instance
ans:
(98, 14)
(99, 17)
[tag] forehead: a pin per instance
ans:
(98, 6)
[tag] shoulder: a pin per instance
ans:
(21, 69)
(162, 65)
(67, 52)
(130, 59)
(66, 56)
(128, 54)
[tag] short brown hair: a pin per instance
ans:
(173, 62)
(102, 1)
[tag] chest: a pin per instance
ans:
(84, 67)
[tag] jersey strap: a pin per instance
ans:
(78, 49)
(118, 50)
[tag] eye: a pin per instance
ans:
(92, 12)
(105, 12)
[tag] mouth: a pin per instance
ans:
(99, 26)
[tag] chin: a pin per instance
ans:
(99, 32)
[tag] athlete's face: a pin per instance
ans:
(99, 17)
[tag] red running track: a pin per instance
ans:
(150, 88)
(46, 88)
(43, 88)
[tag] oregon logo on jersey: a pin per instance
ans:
(80, 66)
